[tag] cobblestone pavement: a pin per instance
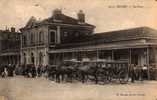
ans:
(20, 88)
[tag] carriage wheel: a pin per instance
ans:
(123, 77)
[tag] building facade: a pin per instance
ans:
(10, 46)
(61, 37)
(41, 37)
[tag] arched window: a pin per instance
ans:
(24, 58)
(40, 58)
(32, 58)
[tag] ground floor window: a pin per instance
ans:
(40, 58)
(32, 58)
(24, 58)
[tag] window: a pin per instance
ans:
(41, 36)
(24, 40)
(65, 34)
(24, 58)
(52, 36)
(40, 58)
(77, 34)
(16, 37)
(32, 58)
(31, 37)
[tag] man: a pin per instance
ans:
(2, 69)
(39, 70)
(144, 72)
(10, 70)
(33, 71)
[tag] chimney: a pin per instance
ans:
(57, 14)
(12, 29)
(6, 29)
(81, 16)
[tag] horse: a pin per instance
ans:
(51, 71)
(85, 71)
(64, 72)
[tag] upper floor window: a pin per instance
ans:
(32, 38)
(77, 34)
(41, 36)
(52, 36)
(65, 34)
(24, 40)
(17, 38)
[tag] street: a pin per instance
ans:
(20, 88)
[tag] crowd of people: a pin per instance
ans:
(29, 70)
(7, 70)
(32, 71)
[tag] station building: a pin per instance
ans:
(40, 38)
(61, 37)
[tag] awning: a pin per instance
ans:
(104, 47)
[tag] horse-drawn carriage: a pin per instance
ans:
(95, 70)
(104, 71)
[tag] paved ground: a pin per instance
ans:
(19, 88)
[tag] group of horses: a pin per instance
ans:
(84, 72)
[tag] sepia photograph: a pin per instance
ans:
(78, 50)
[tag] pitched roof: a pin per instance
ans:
(127, 34)
(32, 21)
(63, 19)
(114, 36)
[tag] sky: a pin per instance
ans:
(106, 15)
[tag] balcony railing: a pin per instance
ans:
(33, 44)
(10, 50)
